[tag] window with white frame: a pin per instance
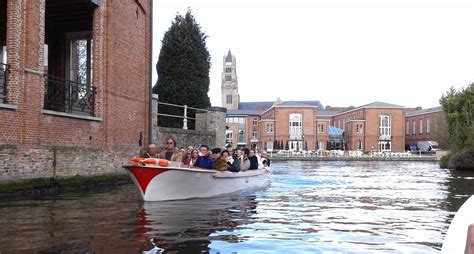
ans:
(359, 145)
(359, 128)
(421, 126)
(428, 125)
(229, 136)
(320, 144)
(413, 129)
(270, 128)
(296, 126)
(320, 128)
(254, 134)
(385, 146)
(269, 145)
(254, 122)
(385, 127)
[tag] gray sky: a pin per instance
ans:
(339, 52)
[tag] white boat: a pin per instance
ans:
(157, 183)
(455, 239)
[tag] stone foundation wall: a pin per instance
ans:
(210, 128)
(19, 163)
(184, 138)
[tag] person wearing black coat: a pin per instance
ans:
(253, 160)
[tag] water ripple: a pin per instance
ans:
(309, 207)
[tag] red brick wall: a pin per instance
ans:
(120, 74)
(371, 127)
(323, 136)
(282, 129)
(438, 129)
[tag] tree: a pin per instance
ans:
(183, 69)
(458, 106)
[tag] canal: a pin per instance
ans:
(309, 207)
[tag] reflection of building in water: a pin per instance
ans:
(173, 223)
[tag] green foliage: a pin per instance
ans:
(458, 105)
(183, 69)
(459, 109)
(462, 160)
(444, 161)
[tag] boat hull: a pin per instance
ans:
(171, 183)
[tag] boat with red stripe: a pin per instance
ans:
(159, 180)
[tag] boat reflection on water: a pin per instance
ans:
(185, 226)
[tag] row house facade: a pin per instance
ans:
(426, 125)
(307, 125)
(301, 125)
(74, 85)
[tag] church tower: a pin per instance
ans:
(229, 87)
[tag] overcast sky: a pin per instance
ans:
(339, 52)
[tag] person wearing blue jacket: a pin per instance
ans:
(204, 160)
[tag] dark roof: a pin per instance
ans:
(228, 58)
(264, 105)
(244, 112)
(327, 113)
(301, 104)
(261, 105)
(379, 104)
(424, 111)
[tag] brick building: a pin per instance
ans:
(377, 126)
(74, 85)
(307, 125)
(426, 125)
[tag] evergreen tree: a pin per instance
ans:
(183, 69)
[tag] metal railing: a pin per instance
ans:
(185, 116)
(68, 96)
(4, 69)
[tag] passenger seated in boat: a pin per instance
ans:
(220, 162)
(187, 155)
(253, 160)
(171, 153)
(243, 159)
(193, 158)
(204, 160)
(151, 152)
(265, 160)
(215, 154)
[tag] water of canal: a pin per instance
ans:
(309, 207)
